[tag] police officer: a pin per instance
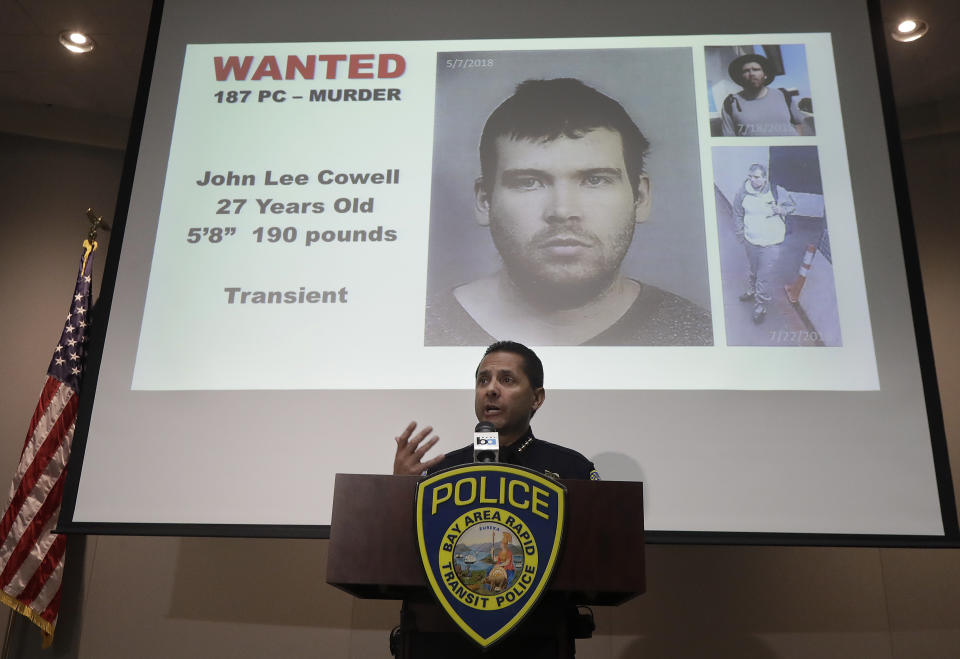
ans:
(508, 392)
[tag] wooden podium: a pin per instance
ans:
(373, 554)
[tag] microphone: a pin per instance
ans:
(486, 443)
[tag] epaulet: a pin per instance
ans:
(563, 449)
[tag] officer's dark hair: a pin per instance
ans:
(757, 167)
(543, 110)
(532, 366)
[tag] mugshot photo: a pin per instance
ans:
(759, 91)
(775, 258)
(567, 204)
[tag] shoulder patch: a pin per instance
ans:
(595, 475)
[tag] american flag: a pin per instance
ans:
(31, 556)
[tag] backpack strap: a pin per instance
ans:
(786, 96)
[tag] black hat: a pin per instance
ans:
(736, 68)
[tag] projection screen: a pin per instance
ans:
(308, 255)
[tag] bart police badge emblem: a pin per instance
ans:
(489, 537)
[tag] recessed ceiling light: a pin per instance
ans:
(909, 29)
(907, 26)
(76, 42)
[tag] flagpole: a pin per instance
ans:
(5, 654)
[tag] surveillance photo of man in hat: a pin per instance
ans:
(758, 110)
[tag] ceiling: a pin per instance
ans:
(35, 69)
(924, 71)
(46, 91)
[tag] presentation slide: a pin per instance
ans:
(350, 223)
(690, 218)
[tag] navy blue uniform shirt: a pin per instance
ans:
(528, 451)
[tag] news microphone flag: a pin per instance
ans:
(31, 556)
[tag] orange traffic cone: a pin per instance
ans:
(793, 290)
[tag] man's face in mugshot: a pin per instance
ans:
(562, 214)
(752, 76)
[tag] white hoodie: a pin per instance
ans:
(761, 225)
